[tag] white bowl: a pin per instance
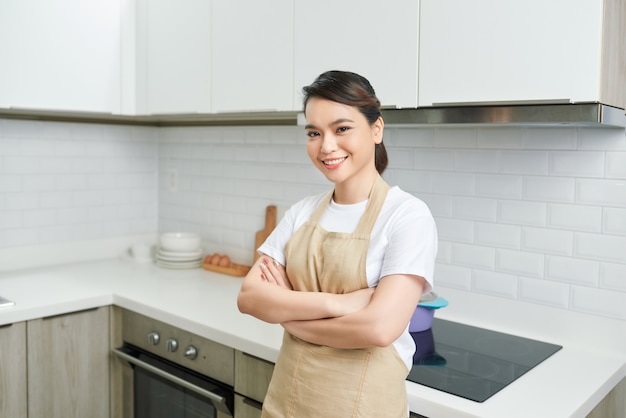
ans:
(180, 241)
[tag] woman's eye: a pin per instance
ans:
(311, 134)
(342, 129)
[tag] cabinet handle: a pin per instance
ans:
(253, 403)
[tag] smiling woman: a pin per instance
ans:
(343, 271)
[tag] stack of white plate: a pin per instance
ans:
(179, 250)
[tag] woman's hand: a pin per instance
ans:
(274, 272)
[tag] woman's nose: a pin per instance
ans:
(329, 144)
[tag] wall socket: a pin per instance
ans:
(172, 179)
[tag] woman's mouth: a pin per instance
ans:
(334, 163)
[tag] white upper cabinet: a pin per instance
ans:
(61, 55)
(373, 38)
(173, 53)
(533, 50)
(252, 55)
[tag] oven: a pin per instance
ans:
(164, 371)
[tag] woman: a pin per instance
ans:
(343, 271)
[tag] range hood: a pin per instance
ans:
(586, 114)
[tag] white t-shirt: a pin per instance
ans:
(403, 241)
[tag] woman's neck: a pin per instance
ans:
(354, 190)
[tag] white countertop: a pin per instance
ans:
(568, 384)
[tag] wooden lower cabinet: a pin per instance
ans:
(252, 377)
(613, 404)
(68, 365)
(13, 370)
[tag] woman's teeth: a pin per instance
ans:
(334, 162)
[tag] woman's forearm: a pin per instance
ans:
(277, 304)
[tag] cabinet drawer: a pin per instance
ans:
(246, 408)
(252, 376)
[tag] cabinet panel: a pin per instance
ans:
(252, 376)
(13, 370)
(174, 56)
(252, 54)
(68, 365)
(489, 50)
(375, 39)
(61, 55)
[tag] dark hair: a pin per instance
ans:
(353, 90)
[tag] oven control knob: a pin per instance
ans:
(153, 338)
(191, 352)
(171, 345)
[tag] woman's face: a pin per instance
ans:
(341, 142)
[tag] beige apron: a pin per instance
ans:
(313, 381)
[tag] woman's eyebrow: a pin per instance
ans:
(333, 123)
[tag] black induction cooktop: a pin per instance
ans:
(471, 362)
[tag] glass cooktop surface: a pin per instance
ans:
(471, 362)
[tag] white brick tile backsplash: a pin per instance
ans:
(402, 158)
(613, 276)
(576, 163)
(456, 230)
(572, 270)
(497, 235)
(500, 138)
(543, 292)
(521, 212)
(562, 186)
(455, 138)
(480, 209)
(599, 302)
(575, 217)
(10, 183)
(457, 277)
(499, 186)
(550, 138)
(18, 201)
(453, 183)
(520, 263)
(548, 241)
(524, 162)
(473, 256)
(426, 159)
(614, 221)
(616, 165)
(476, 161)
(494, 283)
(600, 247)
(402, 137)
(549, 189)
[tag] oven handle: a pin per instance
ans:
(218, 401)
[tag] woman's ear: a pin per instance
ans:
(377, 130)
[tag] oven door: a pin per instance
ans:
(162, 389)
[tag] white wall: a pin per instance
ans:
(528, 214)
(63, 182)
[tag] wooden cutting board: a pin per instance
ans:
(270, 224)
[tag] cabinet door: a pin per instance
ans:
(13, 370)
(252, 54)
(173, 56)
(63, 54)
(68, 365)
(492, 50)
(375, 39)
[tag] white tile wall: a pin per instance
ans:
(533, 214)
(62, 182)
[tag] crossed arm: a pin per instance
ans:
(365, 318)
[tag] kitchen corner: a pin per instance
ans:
(568, 384)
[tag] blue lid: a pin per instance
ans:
(435, 303)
